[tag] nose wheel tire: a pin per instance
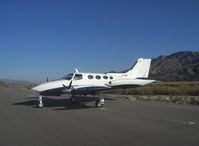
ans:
(40, 105)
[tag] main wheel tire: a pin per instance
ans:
(72, 99)
(98, 104)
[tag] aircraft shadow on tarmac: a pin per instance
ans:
(62, 103)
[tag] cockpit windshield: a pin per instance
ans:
(69, 76)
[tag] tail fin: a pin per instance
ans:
(140, 69)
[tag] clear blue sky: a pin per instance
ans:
(49, 38)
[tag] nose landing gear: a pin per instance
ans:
(40, 105)
(73, 99)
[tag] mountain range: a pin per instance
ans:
(179, 66)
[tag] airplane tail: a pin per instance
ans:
(140, 69)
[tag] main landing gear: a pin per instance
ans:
(99, 102)
(40, 105)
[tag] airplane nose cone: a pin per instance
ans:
(50, 85)
(41, 87)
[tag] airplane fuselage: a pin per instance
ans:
(85, 83)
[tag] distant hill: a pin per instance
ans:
(16, 82)
(180, 66)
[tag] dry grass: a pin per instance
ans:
(164, 88)
(29, 86)
(194, 100)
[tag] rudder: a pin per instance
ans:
(140, 69)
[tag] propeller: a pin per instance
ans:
(70, 88)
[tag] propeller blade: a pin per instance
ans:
(68, 89)
(70, 85)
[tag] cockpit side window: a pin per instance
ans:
(69, 76)
(78, 77)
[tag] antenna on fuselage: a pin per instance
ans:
(76, 70)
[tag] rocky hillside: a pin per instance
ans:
(180, 66)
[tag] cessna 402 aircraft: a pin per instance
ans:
(90, 83)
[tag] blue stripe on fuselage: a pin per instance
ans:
(83, 90)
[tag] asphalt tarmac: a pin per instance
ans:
(120, 122)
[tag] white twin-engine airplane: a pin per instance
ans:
(90, 83)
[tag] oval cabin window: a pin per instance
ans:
(105, 77)
(98, 77)
(90, 76)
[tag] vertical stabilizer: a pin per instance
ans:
(140, 69)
